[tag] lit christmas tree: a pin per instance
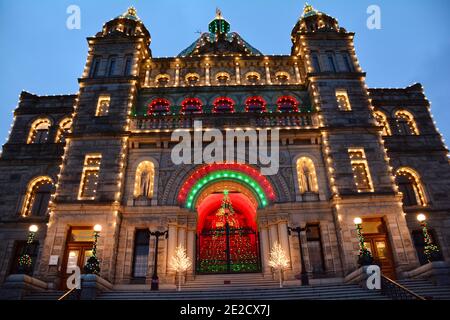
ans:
(278, 260)
(228, 249)
(180, 263)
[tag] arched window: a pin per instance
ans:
(410, 185)
(37, 197)
(191, 105)
(406, 124)
(255, 104)
(306, 174)
(382, 121)
(282, 76)
(192, 78)
(162, 79)
(39, 131)
(159, 106)
(144, 180)
(223, 104)
(64, 128)
(253, 77)
(223, 77)
(287, 104)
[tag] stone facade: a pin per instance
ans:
(324, 129)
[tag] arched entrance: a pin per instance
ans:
(227, 235)
(226, 198)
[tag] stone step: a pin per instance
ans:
(321, 292)
(341, 292)
(427, 289)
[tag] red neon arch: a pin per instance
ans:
(191, 105)
(159, 105)
(223, 104)
(287, 103)
(209, 168)
(255, 104)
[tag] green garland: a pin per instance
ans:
(430, 248)
(364, 257)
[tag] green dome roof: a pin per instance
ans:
(308, 11)
(130, 14)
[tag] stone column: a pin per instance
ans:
(171, 244)
(238, 73)
(190, 249)
(268, 80)
(264, 238)
(182, 237)
(284, 239)
(273, 235)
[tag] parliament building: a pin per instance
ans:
(103, 156)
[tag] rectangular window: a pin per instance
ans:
(347, 62)
(331, 63)
(141, 248)
(95, 66)
(360, 168)
(89, 178)
(314, 243)
(342, 100)
(103, 103)
(128, 64)
(111, 66)
(20, 248)
(316, 63)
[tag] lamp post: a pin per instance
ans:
(303, 274)
(155, 279)
(25, 260)
(365, 257)
(430, 248)
(93, 265)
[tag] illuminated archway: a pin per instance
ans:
(242, 174)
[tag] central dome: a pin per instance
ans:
(219, 41)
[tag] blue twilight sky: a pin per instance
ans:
(39, 54)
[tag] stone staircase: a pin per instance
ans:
(255, 287)
(323, 292)
(45, 295)
(427, 289)
(229, 282)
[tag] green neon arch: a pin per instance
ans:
(226, 175)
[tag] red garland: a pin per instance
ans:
(191, 105)
(223, 104)
(287, 100)
(159, 105)
(255, 101)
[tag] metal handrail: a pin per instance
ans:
(396, 291)
(67, 294)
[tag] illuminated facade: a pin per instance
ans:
(103, 156)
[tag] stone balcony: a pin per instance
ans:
(235, 120)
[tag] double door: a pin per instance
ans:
(77, 254)
(378, 246)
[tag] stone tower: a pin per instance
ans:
(92, 173)
(337, 86)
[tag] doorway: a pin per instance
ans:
(377, 242)
(78, 251)
(227, 238)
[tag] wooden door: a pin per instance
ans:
(78, 250)
(377, 241)
(76, 255)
